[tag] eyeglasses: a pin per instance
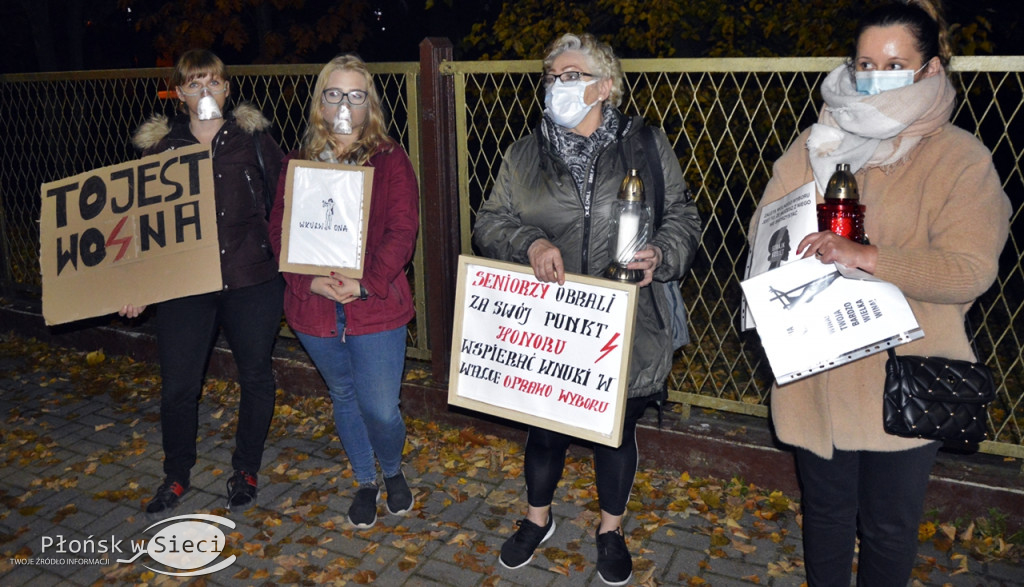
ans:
(335, 96)
(195, 88)
(565, 76)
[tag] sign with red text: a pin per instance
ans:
(326, 217)
(137, 233)
(547, 355)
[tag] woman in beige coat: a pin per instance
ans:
(937, 219)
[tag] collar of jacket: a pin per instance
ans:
(546, 148)
(247, 117)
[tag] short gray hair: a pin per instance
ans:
(601, 56)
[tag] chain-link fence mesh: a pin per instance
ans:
(728, 119)
(57, 125)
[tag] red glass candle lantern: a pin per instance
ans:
(842, 212)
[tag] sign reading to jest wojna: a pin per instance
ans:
(136, 233)
(548, 355)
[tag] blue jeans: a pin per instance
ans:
(364, 376)
(186, 329)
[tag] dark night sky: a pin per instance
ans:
(109, 41)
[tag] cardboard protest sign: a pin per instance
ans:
(814, 316)
(137, 233)
(551, 356)
(326, 213)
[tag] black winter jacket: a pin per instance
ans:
(246, 255)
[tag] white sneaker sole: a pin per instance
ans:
(527, 561)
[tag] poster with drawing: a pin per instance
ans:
(140, 232)
(326, 212)
(814, 316)
(780, 228)
(548, 355)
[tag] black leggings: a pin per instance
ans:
(615, 468)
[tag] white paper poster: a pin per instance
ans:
(325, 229)
(780, 228)
(326, 214)
(813, 316)
(551, 356)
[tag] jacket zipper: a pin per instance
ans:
(252, 192)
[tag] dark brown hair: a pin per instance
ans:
(923, 18)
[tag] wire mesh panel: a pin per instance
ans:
(729, 120)
(57, 125)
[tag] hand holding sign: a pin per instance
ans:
(546, 354)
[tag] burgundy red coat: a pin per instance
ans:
(390, 241)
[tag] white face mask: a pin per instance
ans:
(343, 120)
(877, 81)
(207, 108)
(564, 102)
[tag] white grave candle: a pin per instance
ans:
(629, 226)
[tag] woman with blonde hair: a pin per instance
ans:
(937, 219)
(355, 329)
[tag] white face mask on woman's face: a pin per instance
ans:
(877, 81)
(565, 104)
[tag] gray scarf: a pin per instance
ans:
(579, 153)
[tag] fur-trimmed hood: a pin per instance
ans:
(248, 118)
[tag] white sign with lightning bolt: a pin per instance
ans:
(549, 355)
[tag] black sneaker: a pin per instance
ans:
(518, 549)
(166, 499)
(614, 565)
(363, 511)
(241, 490)
(399, 495)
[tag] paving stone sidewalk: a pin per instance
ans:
(78, 463)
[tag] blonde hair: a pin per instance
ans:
(196, 63)
(600, 55)
(319, 133)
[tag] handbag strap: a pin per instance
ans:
(657, 175)
(268, 196)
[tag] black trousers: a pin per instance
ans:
(615, 468)
(186, 331)
(876, 496)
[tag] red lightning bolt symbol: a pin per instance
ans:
(113, 240)
(608, 347)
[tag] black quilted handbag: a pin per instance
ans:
(936, 398)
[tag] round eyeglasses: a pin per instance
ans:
(565, 76)
(335, 96)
